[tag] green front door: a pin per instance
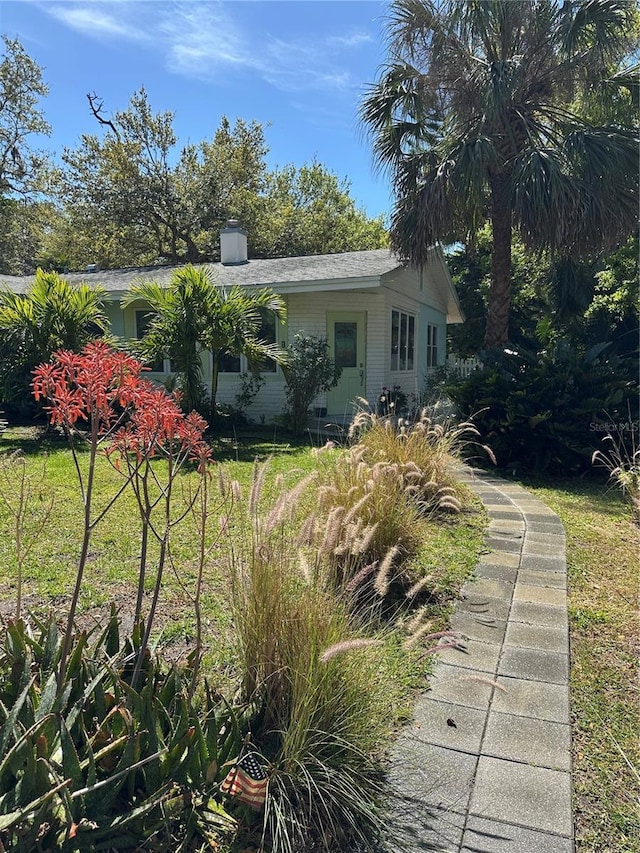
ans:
(346, 333)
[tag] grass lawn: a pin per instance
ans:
(448, 553)
(602, 554)
(602, 557)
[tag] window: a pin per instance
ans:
(346, 344)
(403, 334)
(229, 364)
(266, 333)
(432, 345)
(143, 321)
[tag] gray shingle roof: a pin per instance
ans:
(261, 272)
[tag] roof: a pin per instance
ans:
(258, 272)
(340, 271)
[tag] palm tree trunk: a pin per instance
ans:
(497, 331)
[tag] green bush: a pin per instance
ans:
(308, 371)
(373, 499)
(546, 410)
(52, 314)
(98, 764)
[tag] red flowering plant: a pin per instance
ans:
(156, 428)
(135, 421)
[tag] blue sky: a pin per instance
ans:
(299, 66)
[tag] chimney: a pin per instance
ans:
(233, 244)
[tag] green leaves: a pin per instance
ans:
(21, 87)
(482, 114)
(102, 763)
(194, 314)
(134, 196)
(51, 315)
(541, 411)
(309, 370)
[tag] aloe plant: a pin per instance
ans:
(99, 764)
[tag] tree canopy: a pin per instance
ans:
(480, 115)
(21, 88)
(590, 301)
(133, 196)
(22, 167)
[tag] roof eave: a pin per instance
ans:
(455, 314)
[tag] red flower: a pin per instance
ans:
(103, 387)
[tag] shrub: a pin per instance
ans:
(52, 314)
(365, 520)
(99, 764)
(372, 498)
(308, 371)
(542, 410)
(425, 451)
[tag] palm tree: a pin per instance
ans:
(193, 315)
(476, 117)
(52, 314)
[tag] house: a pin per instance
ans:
(385, 322)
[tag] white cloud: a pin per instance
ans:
(203, 40)
(354, 40)
(92, 20)
(199, 39)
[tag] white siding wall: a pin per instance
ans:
(415, 293)
(308, 314)
(404, 289)
(269, 401)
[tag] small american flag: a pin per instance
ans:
(246, 782)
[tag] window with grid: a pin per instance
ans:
(266, 333)
(143, 321)
(403, 333)
(432, 345)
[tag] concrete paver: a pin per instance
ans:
(535, 664)
(540, 594)
(550, 615)
(537, 699)
(479, 627)
(490, 587)
(450, 684)
(485, 765)
(537, 637)
(475, 655)
(556, 579)
(504, 573)
(539, 743)
(450, 725)
(491, 606)
(533, 797)
(491, 836)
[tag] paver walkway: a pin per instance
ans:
(485, 766)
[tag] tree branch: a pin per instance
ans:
(96, 104)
